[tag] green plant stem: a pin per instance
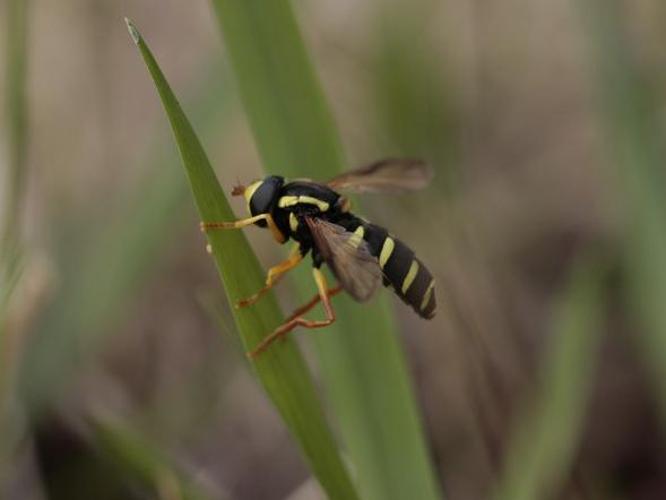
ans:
(415, 103)
(363, 366)
(10, 252)
(16, 29)
(10, 273)
(281, 369)
(542, 450)
(140, 460)
(635, 138)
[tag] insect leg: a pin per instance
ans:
(274, 275)
(289, 325)
(332, 292)
(238, 224)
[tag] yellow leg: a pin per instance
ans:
(290, 324)
(274, 275)
(238, 224)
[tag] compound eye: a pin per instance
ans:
(261, 195)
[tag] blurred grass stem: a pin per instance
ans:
(542, 450)
(362, 363)
(10, 254)
(628, 108)
(133, 454)
(15, 81)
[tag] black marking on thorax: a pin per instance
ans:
(300, 199)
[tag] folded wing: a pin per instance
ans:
(348, 257)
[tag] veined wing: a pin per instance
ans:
(391, 175)
(348, 257)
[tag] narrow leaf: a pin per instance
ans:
(541, 454)
(142, 462)
(362, 363)
(15, 79)
(630, 109)
(281, 369)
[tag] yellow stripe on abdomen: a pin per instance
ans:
(411, 275)
(357, 237)
(426, 296)
(387, 250)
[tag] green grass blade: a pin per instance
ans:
(281, 369)
(10, 273)
(11, 194)
(276, 82)
(541, 453)
(635, 139)
(16, 119)
(141, 461)
(16, 30)
(362, 362)
(415, 103)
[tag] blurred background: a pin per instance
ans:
(544, 123)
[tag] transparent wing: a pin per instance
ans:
(391, 175)
(350, 260)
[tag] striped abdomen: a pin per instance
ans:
(407, 275)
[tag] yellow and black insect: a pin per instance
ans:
(360, 254)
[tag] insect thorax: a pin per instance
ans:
(300, 199)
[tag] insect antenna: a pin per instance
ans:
(238, 189)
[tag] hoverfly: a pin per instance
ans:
(360, 254)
